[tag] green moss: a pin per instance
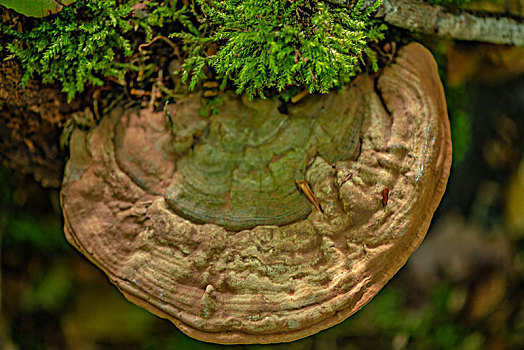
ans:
(86, 42)
(80, 45)
(257, 45)
(274, 45)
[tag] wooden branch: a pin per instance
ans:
(456, 24)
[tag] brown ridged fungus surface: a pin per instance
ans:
(201, 220)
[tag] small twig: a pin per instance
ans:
(312, 75)
(114, 102)
(96, 99)
(155, 90)
(346, 178)
(300, 96)
(297, 55)
(170, 93)
(304, 186)
(172, 44)
(234, 29)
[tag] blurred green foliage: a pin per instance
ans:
(461, 129)
(50, 290)
(40, 233)
(22, 227)
(431, 325)
(457, 100)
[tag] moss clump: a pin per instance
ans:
(87, 41)
(257, 45)
(78, 46)
(281, 43)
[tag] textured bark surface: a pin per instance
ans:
(31, 119)
(279, 280)
(436, 20)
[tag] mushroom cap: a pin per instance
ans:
(199, 219)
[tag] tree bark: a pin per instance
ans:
(456, 24)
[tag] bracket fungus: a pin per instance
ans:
(201, 221)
